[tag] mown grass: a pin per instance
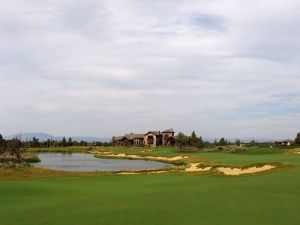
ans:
(62, 198)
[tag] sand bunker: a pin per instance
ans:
(239, 171)
(123, 155)
(142, 172)
(128, 173)
(160, 171)
(298, 153)
(194, 168)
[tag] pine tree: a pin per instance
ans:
(297, 140)
(222, 142)
(70, 142)
(48, 143)
(35, 142)
(252, 143)
(2, 144)
(200, 143)
(180, 140)
(193, 139)
(64, 142)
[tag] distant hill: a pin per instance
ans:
(44, 137)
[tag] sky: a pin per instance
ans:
(100, 67)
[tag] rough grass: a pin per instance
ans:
(23, 171)
(73, 149)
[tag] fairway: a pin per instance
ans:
(175, 198)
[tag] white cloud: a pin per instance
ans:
(219, 67)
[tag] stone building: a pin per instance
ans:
(149, 139)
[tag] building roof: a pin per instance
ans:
(168, 131)
(153, 132)
(119, 138)
(134, 136)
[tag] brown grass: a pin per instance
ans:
(31, 172)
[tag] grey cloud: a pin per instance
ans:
(109, 67)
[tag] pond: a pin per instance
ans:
(84, 162)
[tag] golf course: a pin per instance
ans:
(175, 196)
(138, 112)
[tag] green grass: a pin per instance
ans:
(263, 199)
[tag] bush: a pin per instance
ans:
(219, 148)
(189, 149)
(7, 165)
(33, 159)
(235, 149)
(231, 148)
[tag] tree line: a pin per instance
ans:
(64, 142)
(49, 143)
(196, 142)
(182, 141)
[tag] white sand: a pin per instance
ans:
(239, 171)
(123, 155)
(128, 173)
(160, 171)
(194, 168)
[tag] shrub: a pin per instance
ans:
(7, 165)
(33, 159)
(189, 149)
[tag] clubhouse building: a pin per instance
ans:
(164, 138)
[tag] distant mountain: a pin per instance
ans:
(27, 136)
(44, 137)
(90, 139)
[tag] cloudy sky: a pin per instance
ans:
(101, 67)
